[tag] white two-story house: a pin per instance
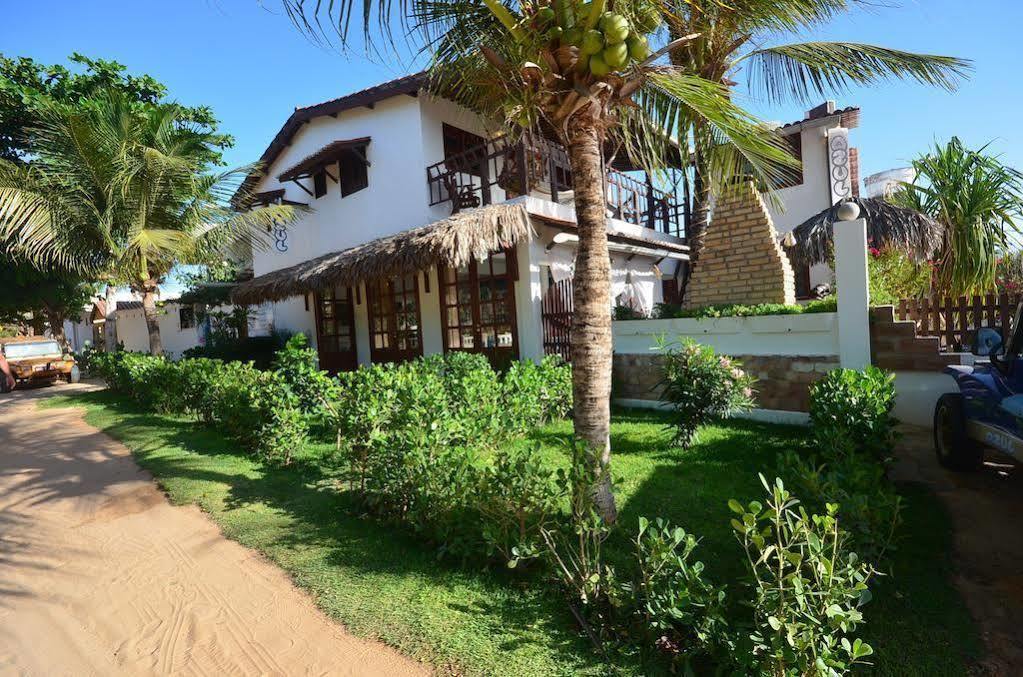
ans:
(429, 232)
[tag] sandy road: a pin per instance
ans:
(100, 575)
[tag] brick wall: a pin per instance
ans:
(742, 260)
(783, 380)
(894, 344)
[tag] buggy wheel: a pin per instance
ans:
(955, 450)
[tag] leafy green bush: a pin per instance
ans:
(259, 350)
(807, 588)
(853, 409)
(893, 276)
(676, 609)
(298, 365)
(664, 311)
(700, 385)
(868, 505)
(535, 394)
(518, 498)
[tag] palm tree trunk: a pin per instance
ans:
(152, 320)
(110, 326)
(591, 320)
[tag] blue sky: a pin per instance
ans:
(244, 58)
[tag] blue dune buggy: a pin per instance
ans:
(987, 412)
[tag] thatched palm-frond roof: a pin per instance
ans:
(450, 242)
(887, 226)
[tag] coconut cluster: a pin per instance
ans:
(608, 46)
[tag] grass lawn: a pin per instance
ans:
(380, 582)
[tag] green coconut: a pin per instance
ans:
(555, 32)
(616, 55)
(593, 42)
(615, 28)
(598, 66)
(639, 48)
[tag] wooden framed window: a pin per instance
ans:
(395, 331)
(478, 308)
(458, 141)
(335, 329)
(319, 184)
(354, 171)
(186, 317)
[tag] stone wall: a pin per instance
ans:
(783, 380)
(895, 346)
(742, 260)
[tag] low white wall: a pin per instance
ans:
(809, 334)
(916, 394)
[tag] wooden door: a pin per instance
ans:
(395, 331)
(335, 330)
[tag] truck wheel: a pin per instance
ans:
(955, 450)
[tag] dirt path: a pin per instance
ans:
(99, 574)
(987, 514)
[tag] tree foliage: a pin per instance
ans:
(24, 82)
(978, 200)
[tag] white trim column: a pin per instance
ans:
(853, 293)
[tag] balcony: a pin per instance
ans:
(498, 170)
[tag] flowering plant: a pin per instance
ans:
(700, 385)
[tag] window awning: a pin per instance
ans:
(327, 155)
(454, 241)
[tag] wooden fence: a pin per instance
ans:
(954, 320)
(556, 313)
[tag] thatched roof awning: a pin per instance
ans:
(887, 226)
(321, 158)
(451, 242)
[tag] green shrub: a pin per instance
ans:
(518, 497)
(535, 394)
(298, 366)
(663, 311)
(807, 588)
(282, 428)
(259, 350)
(869, 507)
(674, 607)
(853, 409)
(700, 385)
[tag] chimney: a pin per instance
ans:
(825, 109)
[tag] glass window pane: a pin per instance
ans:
(486, 313)
(488, 336)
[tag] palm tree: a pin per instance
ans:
(977, 201)
(732, 43)
(121, 189)
(587, 76)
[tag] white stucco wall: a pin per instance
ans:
(132, 331)
(796, 204)
(810, 334)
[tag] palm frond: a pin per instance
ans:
(809, 70)
(740, 143)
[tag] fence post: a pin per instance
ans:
(853, 288)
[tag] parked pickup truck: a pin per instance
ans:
(36, 359)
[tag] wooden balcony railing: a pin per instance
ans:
(498, 170)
